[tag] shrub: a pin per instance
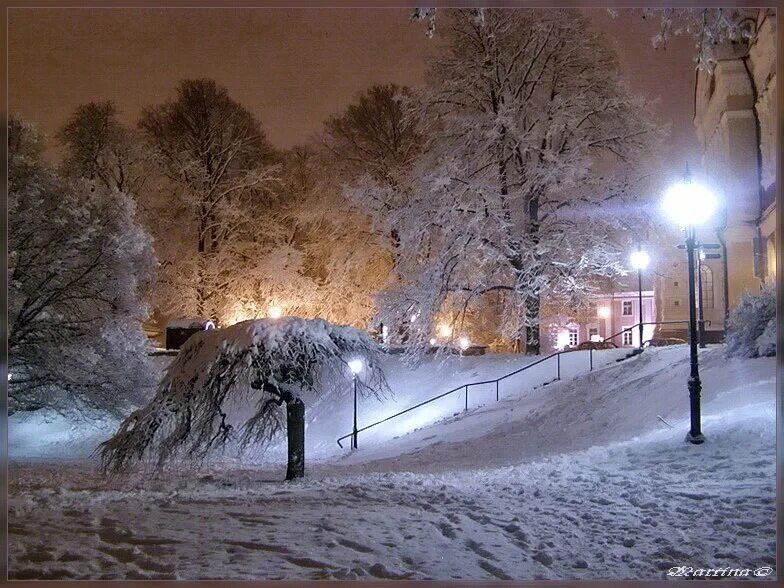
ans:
(751, 329)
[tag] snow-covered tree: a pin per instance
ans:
(375, 135)
(78, 266)
(267, 363)
(532, 147)
(710, 28)
(214, 204)
(341, 256)
(100, 149)
(751, 328)
(378, 136)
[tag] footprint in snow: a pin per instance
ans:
(446, 530)
(354, 545)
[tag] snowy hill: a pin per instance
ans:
(44, 433)
(576, 479)
(618, 402)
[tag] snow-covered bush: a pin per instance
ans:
(78, 264)
(751, 329)
(264, 363)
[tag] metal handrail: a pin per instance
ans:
(465, 387)
(637, 325)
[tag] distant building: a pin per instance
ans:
(735, 120)
(672, 297)
(607, 315)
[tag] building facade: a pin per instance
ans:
(735, 121)
(606, 317)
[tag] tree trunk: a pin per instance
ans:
(532, 339)
(295, 429)
(200, 270)
(532, 301)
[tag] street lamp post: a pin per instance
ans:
(690, 204)
(355, 365)
(640, 261)
(694, 384)
(701, 317)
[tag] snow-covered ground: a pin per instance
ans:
(575, 479)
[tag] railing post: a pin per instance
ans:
(496, 390)
(590, 357)
(466, 398)
(558, 357)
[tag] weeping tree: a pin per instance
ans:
(269, 361)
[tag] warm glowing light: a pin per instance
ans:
(275, 312)
(562, 340)
(603, 312)
(241, 312)
(444, 330)
(464, 343)
(639, 260)
(355, 365)
(433, 341)
(688, 204)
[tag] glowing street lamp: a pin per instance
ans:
(356, 366)
(444, 330)
(688, 204)
(464, 343)
(275, 312)
(603, 312)
(640, 261)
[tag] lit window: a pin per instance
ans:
(627, 308)
(627, 338)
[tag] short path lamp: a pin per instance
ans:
(640, 261)
(689, 204)
(355, 365)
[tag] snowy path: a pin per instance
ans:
(578, 479)
(628, 511)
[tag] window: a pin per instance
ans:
(707, 287)
(676, 302)
(675, 284)
(593, 331)
(573, 337)
(627, 308)
(627, 338)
